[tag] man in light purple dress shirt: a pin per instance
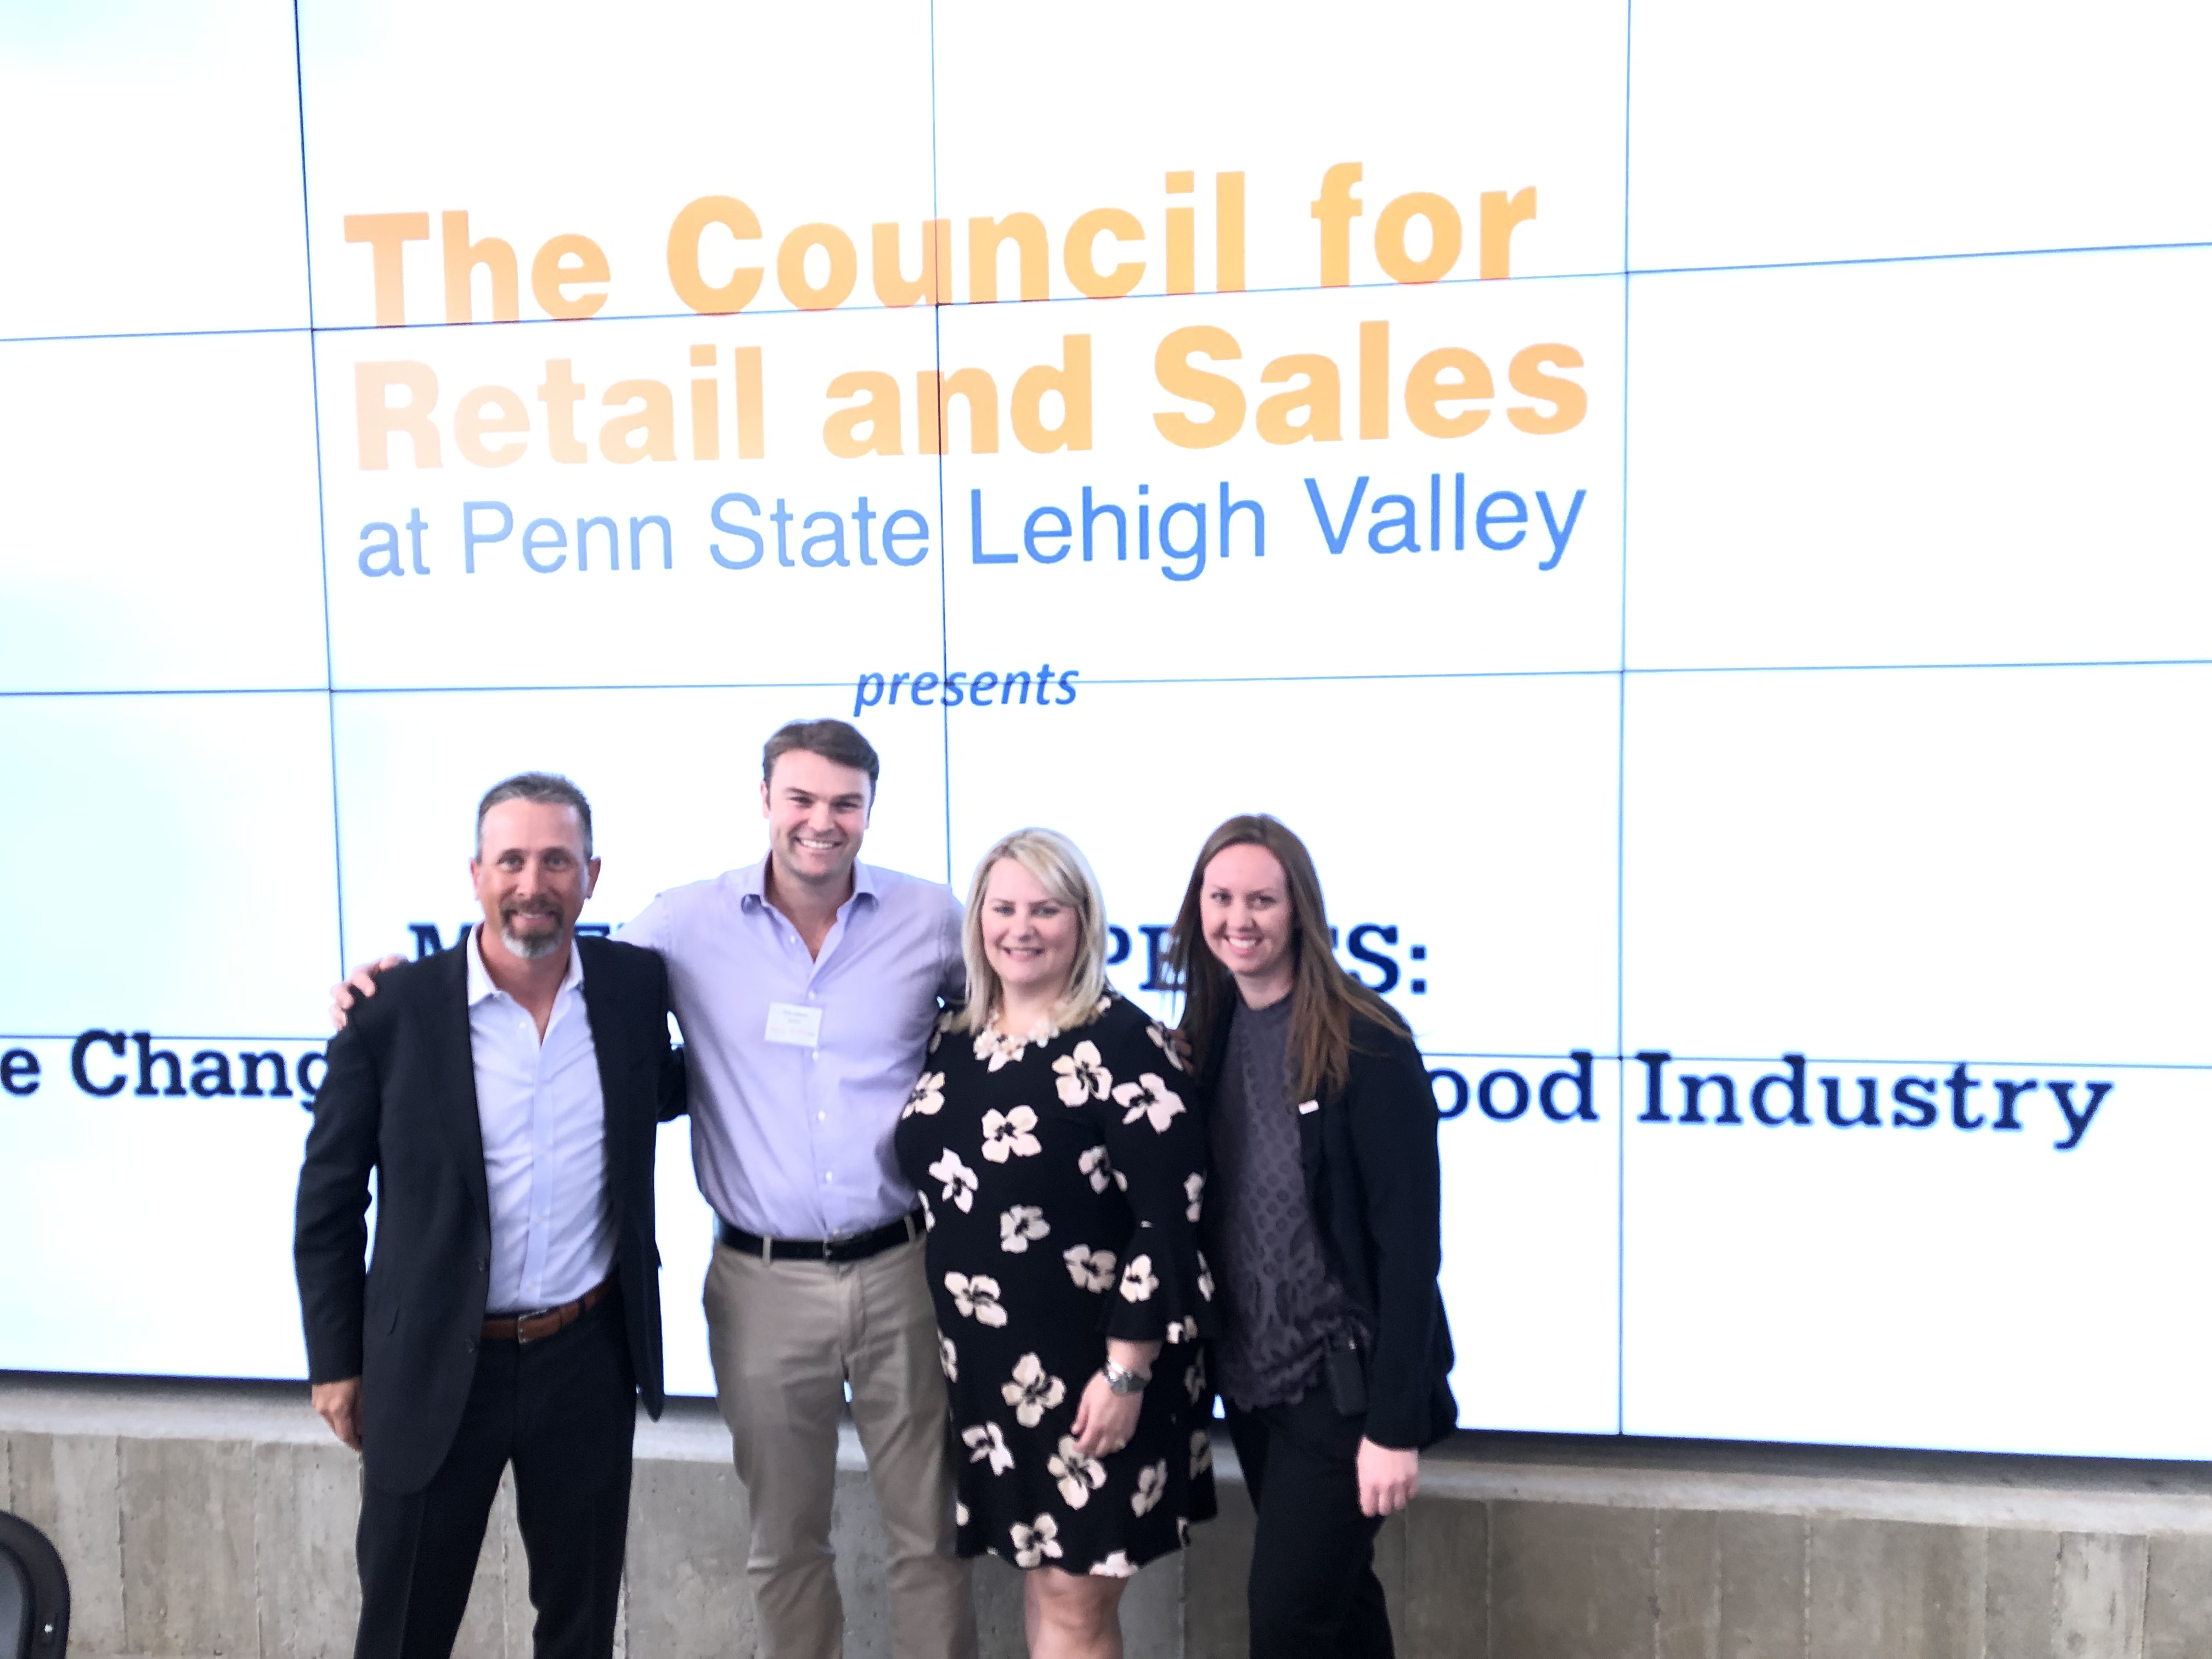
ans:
(806, 986)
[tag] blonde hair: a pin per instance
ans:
(1062, 871)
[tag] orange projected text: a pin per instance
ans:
(1446, 392)
(719, 256)
(492, 426)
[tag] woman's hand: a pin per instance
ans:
(1387, 1479)
(362, 982)
(1104, 1420)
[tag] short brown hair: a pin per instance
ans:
(546, 789)
(833, 740)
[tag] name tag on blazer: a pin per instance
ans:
(1307, 1106)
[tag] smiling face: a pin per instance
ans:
(1030, 937)
(531, 875)
(817, 814)
(1244, 901)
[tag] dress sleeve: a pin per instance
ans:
(1158, 1148)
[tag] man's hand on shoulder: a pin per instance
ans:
(338, 1404)
(362, 982)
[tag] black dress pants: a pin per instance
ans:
(562, 1410)
(1313, 1593)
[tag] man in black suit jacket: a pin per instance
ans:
(506, 1093)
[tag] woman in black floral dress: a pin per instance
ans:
(1062, 1172)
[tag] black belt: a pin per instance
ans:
(857, 1248)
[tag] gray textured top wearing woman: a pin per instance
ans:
(1279, 1306)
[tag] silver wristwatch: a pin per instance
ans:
(1122, 1380)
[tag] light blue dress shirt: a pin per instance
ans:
(793, 1140)
(543, 1118)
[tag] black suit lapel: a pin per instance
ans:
(603, 1012)
(455, 1059)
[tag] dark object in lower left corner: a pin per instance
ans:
(35, 1598)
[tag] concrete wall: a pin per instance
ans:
(203, 1520)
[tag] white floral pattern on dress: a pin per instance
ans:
(1151, 1486)
(999, 1050)
(1139, 1281)
(1078, 1475)
(1033, 1544)
(1150, 1098)
(1091, 1270)
(1202, 1453)
(1015, 1356)
(1096, 1168)
(1033, 1392)
(959, 1179)
(929, 1095)
(976, 1297)
(1082, 1075)
(1020, 1225)
(1009, 1135)
(987, 1443)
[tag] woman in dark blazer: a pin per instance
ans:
(1321, 1225)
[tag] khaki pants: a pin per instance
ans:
(785, 1337)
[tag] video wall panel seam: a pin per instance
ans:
(2057, 251)
(1620, 718)
(322, 510)
(937, 360)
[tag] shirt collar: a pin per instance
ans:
(480, 984)
(752, 883)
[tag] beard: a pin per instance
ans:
(531, 947)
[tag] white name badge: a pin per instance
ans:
(788, 1022)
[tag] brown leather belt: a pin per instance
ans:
(536, 1326)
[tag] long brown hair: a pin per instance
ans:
(1325, 1000)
